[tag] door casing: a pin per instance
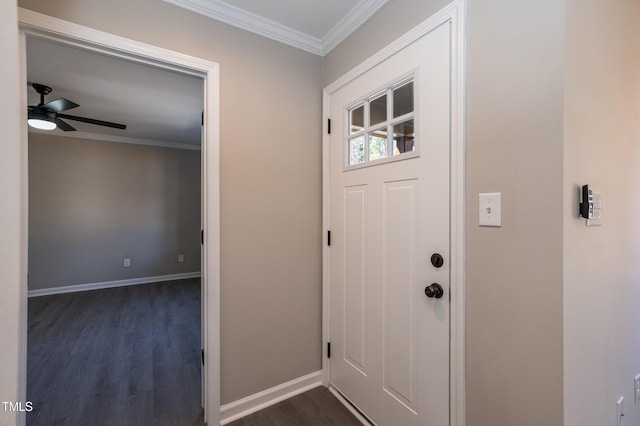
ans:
(34, 24)
(455, 13)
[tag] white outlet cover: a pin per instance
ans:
(490, 209)
(127, 263)
(620, 410)
(636, 388)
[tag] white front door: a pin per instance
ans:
(389, 213)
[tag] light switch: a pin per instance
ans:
(490, 209)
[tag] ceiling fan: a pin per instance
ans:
(49, 116)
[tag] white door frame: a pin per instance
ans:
(43, 26)
(455, 13)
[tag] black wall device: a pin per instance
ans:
(586, 206)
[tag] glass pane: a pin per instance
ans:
(403, 137)
(356, 150)
(377, 145)
(356, 119)
(403, 100)
(378, 110)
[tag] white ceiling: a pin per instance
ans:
(316, 26)
(158, 106)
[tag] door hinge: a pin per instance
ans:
(202, 236)
(202, 356)
(328, 238)
(328, 125)
(328, 349)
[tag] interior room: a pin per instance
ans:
(114, 240)
(333, 263)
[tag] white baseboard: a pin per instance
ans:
(256, 402)
(110, 284)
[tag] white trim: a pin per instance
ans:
(240, 18)
(248, 21)
(120, 139)
(455, 13)
(357, 16)
(258, 401)
(43, 26)
(326, 227)
(457, 372)
(211, 245)
(110, 284)
(24, 164)
(71, 34)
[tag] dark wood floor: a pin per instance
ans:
(317, 407)
(131, 356)
(120, 356)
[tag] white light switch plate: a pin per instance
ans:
(636, 388)
(490, 209)
(598, 210)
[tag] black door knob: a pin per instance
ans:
(434, 290)
(437, 260)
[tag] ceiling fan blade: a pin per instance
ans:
(60, 105)
(63, 125)
(93, 121)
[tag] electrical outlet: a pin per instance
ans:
(127, 263)
(181, 258)
(636, 388)
(620, 411)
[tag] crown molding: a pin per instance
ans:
(357, 16)
(240, 18)
(120, 139)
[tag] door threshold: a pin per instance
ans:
(351, 407)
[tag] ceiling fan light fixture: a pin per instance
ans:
(36, 123)
(41, 121)
(48, 116)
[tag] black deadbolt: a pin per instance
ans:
(437, 260)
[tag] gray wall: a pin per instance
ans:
(271, 204)
(602, 264)
(12, 274)
(514, 274)
(94, 203)
(514, 145)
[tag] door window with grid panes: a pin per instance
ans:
(381, 127)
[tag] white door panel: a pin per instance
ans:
(400, 278)
(354, 271)
(390, 343)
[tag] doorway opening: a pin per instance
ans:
(41, 27)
